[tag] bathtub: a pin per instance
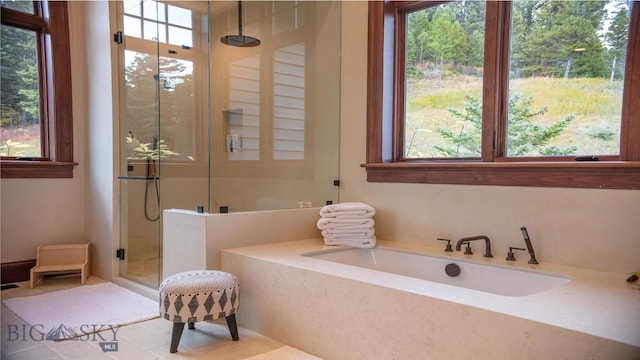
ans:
(494, 279)
(303, 294)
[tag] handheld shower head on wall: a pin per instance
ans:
(240, 40)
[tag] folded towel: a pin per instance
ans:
(347, 210)
(353, 224)
(354, 242)
(347, 234)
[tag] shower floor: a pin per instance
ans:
(143, 271)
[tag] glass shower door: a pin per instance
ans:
(164, 162)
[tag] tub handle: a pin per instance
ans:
(447, 248)
(510, 255)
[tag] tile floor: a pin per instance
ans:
(140, 341)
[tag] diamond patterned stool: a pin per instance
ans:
(192, 296)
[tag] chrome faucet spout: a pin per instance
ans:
(487, 243)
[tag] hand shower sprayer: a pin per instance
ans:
(527, 241)
(152, 178)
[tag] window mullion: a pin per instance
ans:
(21, 20)
(630, 126)
(504, 41)
(493, 85)
(398, 148)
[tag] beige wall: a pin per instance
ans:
(582, 227)
(81, 209)
(39, 211)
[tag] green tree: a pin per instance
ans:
(451, 34)
(465, 143)
(18, 61)
(616, 38)
(446, 41)
(563, 39)
(525, 135)
(417, 24)
(471, 17)
(31, 102)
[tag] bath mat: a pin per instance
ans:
(284, 353)
(83, 310)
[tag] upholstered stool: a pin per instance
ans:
(193, 296)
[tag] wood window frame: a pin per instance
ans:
(384, 159)
(51, 24)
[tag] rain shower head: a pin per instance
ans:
(240, 40)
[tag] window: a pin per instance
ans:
(459, 102)
(163, 63)
(36, 124)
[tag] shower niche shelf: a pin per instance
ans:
(241, 135)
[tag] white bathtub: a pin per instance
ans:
(339, 311)
(494, 279)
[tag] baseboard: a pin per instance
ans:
(16, 271)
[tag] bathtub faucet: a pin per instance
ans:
(527, 241)
(487, 243)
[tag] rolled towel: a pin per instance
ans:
(354, 242)
(347, 210)
(347, 234)
(346, 224)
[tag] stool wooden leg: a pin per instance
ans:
(175, 336)
(192, 325)
(233, 326)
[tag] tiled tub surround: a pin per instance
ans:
(339, 311)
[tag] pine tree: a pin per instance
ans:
(526, 135)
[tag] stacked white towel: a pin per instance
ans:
(349, 223)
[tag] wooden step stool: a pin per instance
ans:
(61, 259)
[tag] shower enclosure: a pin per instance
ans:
(206, 124)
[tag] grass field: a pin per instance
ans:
(20, 140)
(594, 102)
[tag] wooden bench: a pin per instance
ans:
(56, 259)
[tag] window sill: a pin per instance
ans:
(15, 169)
(595, 175)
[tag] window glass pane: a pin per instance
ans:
(23, 6)
(151, 9)
(132, 7)
(180, 36)
(172, 89)
(20, 111)
(141, 101)
(132, 27)
(566, 77)
(179, 16)
(177, 109)
(443, 95)
(154, 31)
